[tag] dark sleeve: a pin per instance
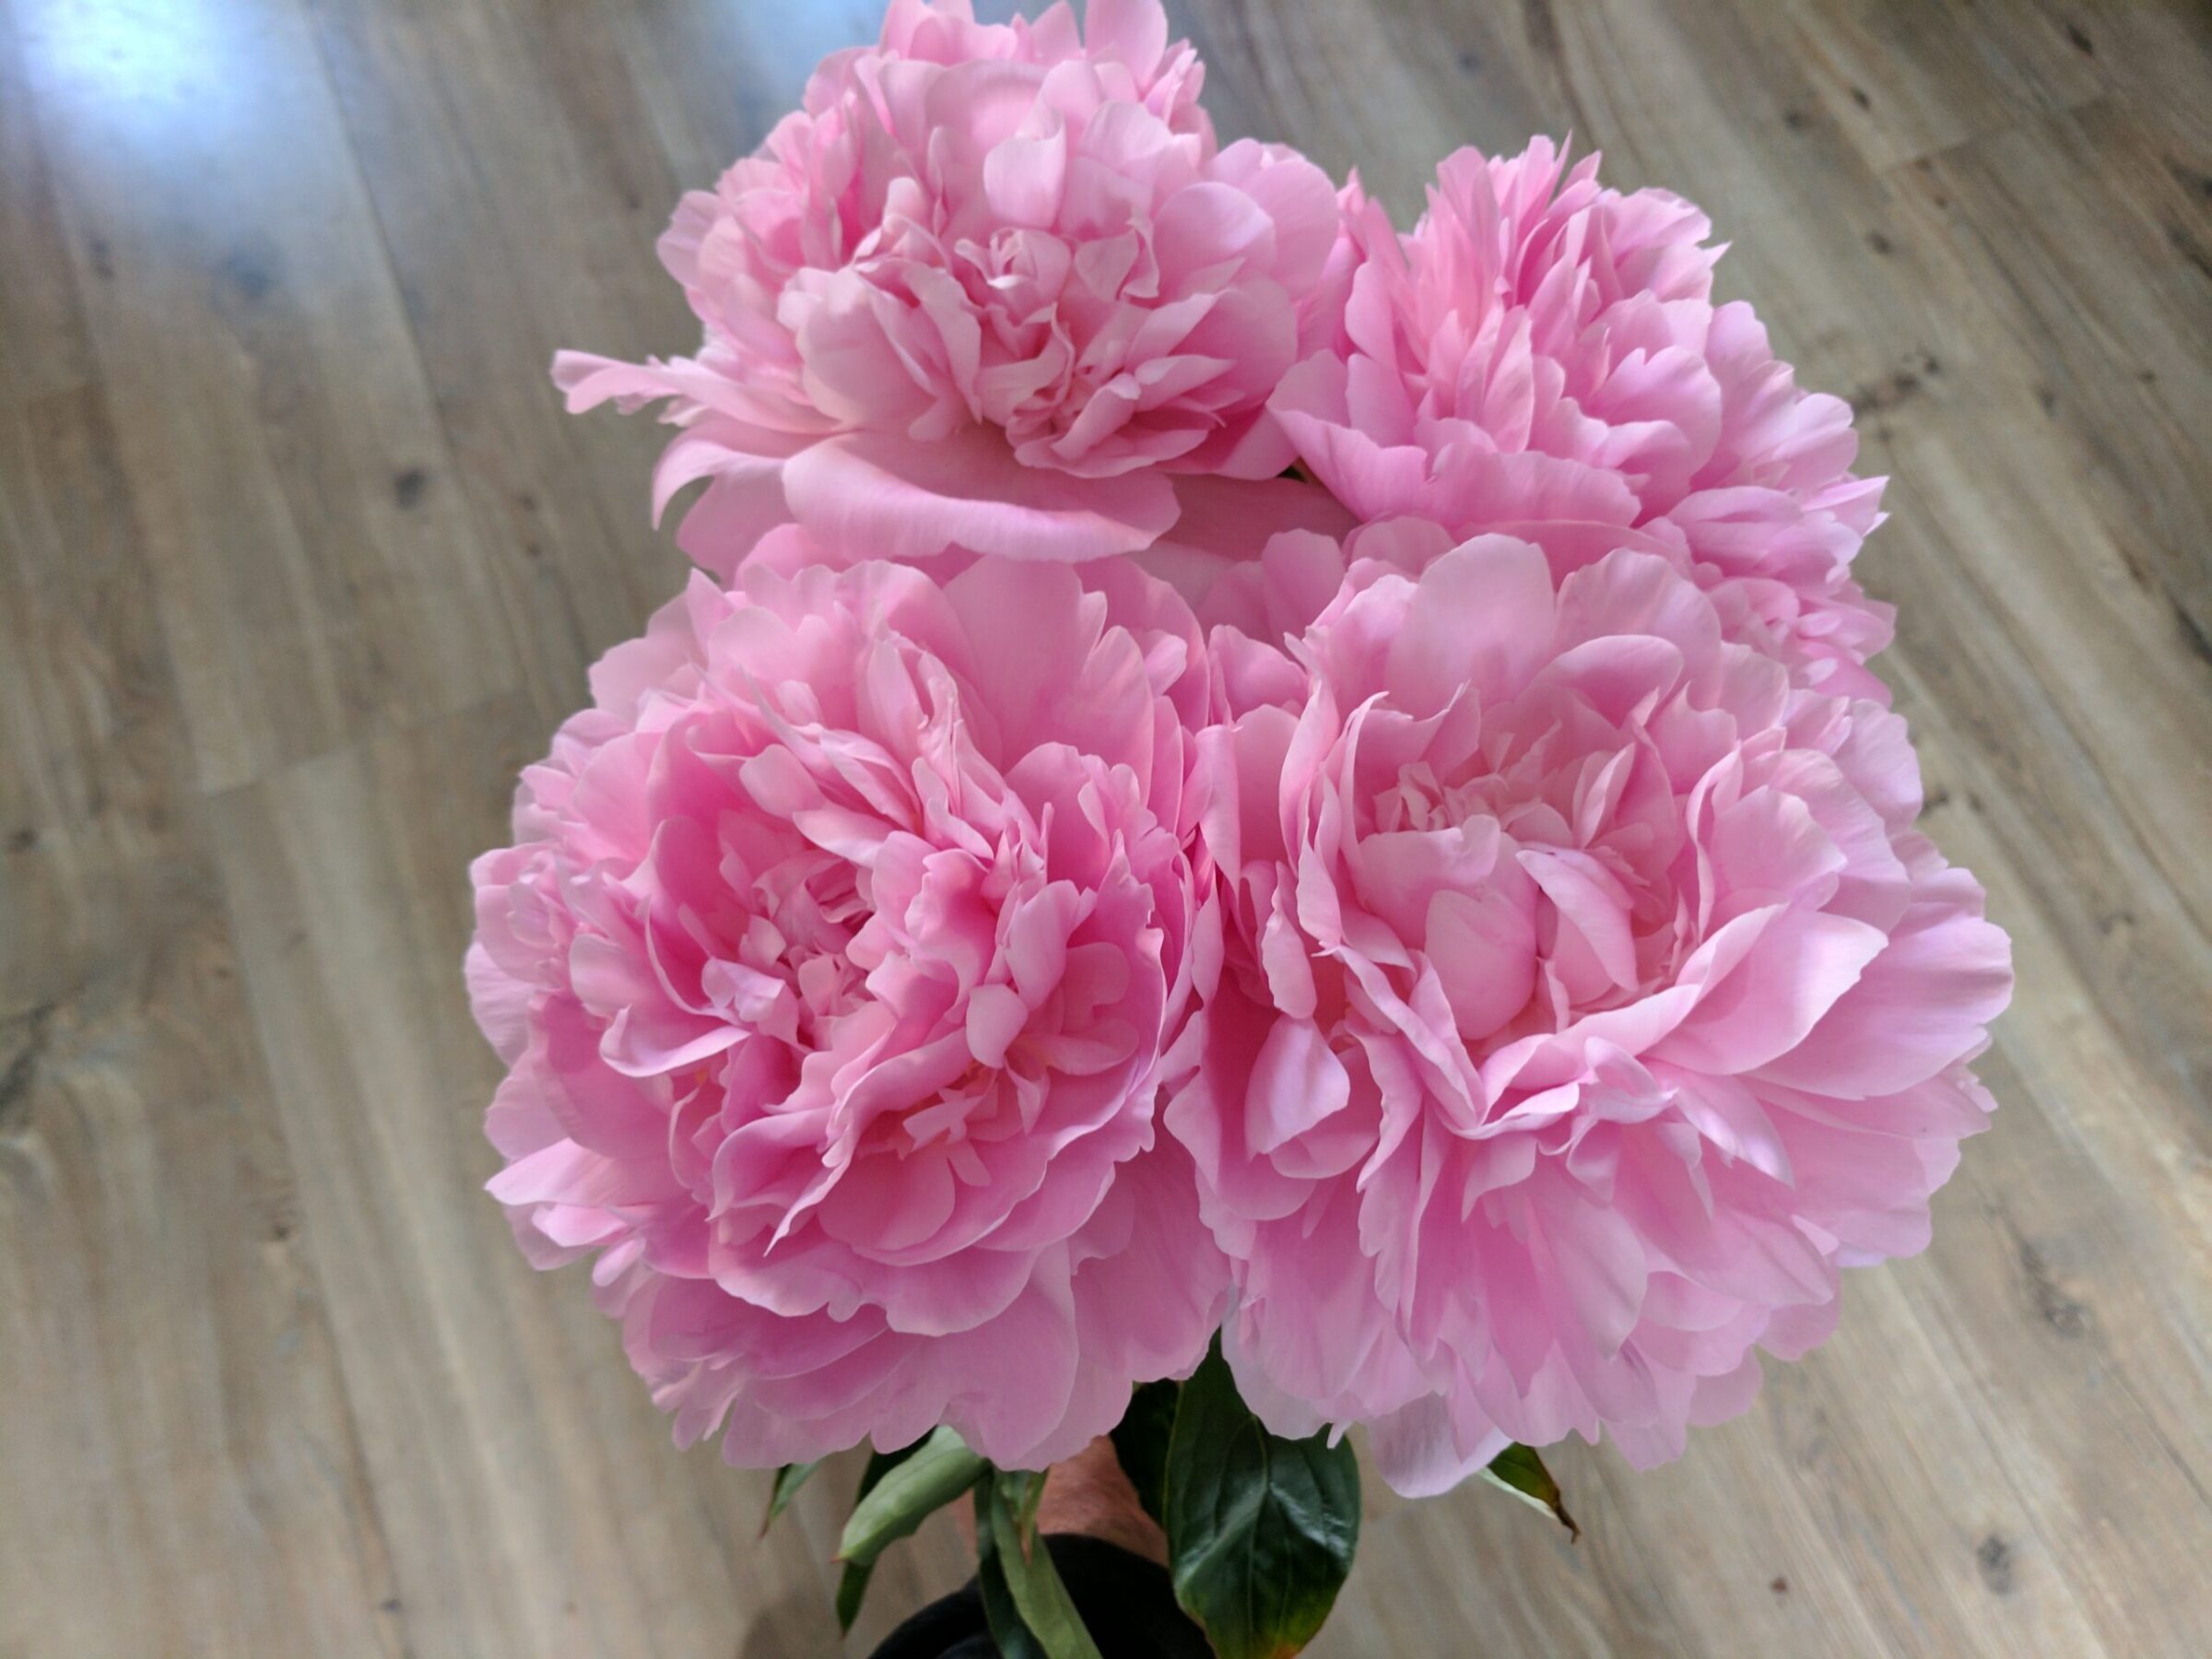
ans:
(1127, 1604)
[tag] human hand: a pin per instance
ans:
(1090, 1494)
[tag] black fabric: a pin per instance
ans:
(1127, 1604)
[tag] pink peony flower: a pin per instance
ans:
(990, 287)
(1543, 357)
(833, 960)
(1589, 1000)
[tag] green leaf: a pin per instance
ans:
(851, 1590)
(852, 1584)
(999, 1612)
(940, 1469)
(789, 1480)
(1140, 1442)
(1521, 1472)
(1047, 1611)
(1261, 1530)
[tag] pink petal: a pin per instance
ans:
(899, 499)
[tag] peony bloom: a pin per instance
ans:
(1543, 357)
(990, 287)
(832, 963)
(1589, 1000)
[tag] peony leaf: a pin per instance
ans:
(1140, 1442)
(939, 1470)
(852, 1584)
(1521, 1472)
(999, 1612)
(1261, 1530)
(1008, 1499)
(789, 1480)
(851, 1590)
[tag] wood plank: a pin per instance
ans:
(2151, 54)
(1906, 80)
(269, 411)
(512, 238)
(42, 346)
(174, 1410)
(180, 1466)
(91, 735)
(2087, 238)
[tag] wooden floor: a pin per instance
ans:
(300, 561)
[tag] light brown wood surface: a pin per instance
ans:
(300, 561)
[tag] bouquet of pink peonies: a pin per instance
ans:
(1255, 824)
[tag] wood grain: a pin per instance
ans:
(300, 561)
